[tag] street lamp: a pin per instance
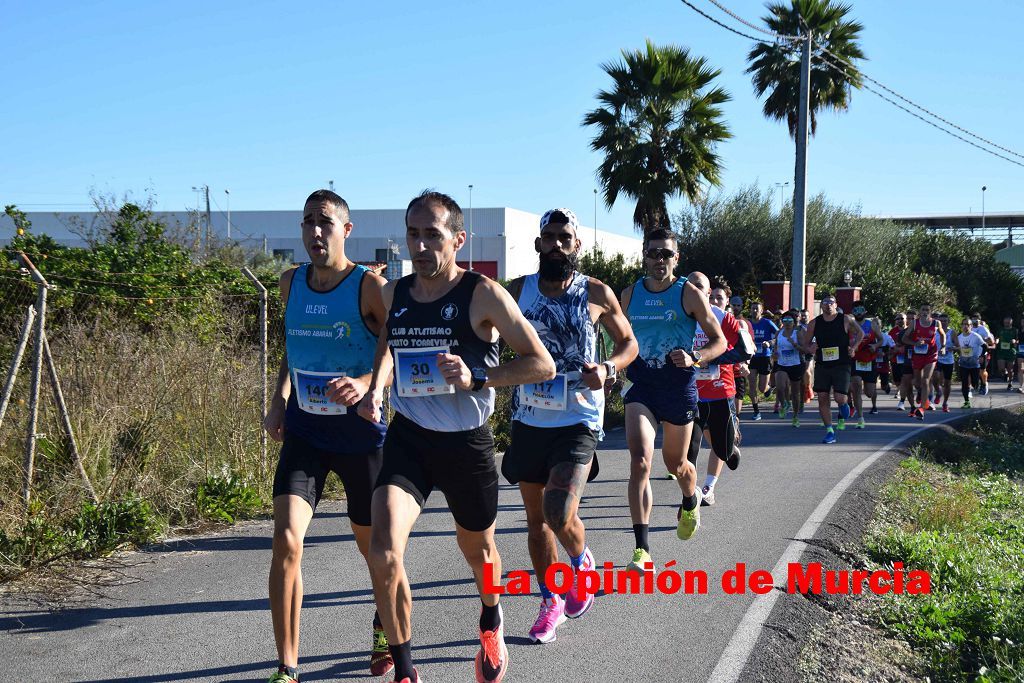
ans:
(983, 188)
(227, 193)
(847, 276)
(471, 227)
(595, 220)
(781, 200)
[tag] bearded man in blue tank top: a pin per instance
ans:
(441, 340)
(662, 389)
(556, 425)
(333, 314)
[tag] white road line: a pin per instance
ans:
(734, 658)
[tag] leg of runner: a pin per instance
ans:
(782, 391)
(641, 428)
(796, 393)
(871, 390)
(674, 446)
(856, 393)
(561, 503)
(754, 382)
(543, 553)
(292, 515)
(947, 381)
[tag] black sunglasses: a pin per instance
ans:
(659, 254)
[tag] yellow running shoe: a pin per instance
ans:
(640, 558)
(689, 520)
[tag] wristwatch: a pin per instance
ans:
(610, 371)
(695, 355)
(479, 379)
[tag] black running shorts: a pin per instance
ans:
(761, 364)
(946, 370)
(794, 372)
(302, 471)
(835, 377)
(459, 464)
(719, 418)
(535, 450)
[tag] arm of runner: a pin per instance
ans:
(696, 304)
(736, 336)
(274, 420)
(807, 336)
(348, 391)
(625, 348)
(495, 309)
(858, 334)
(907, 337)
(383, 364)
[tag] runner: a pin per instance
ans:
(882, 366)
(742, 373)
(808, 381)
(944, 369)
(788, 355)
(922, 336)
(556, 425)
(971, 346)
(990, 343)
(760, 365)
(836, 339)
(664, 311)
(442, 343)
(1020, 355)
(1006, 353)
(716, 391)
(902, 371)
(864, 378)
(321, 376)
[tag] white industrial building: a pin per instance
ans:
(501, 244)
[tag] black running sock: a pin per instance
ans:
(402, 654)
(690, 502)
(640, 534)
(290, 670)
(490, 619)
(376, 620)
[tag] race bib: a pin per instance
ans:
(966, 351)
(863, 367)
(921, 348)
(1020, 348)
(549, 395)
(417, 374)
(830, 353)
(880, 357)
(711, 372)
(1004, 345)
(900, 358)
(311, 392)
(789, 357)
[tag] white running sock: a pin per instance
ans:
(710, 481)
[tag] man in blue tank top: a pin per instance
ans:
(556, 425)
(662, 389)
(333, 314)
(441, 342)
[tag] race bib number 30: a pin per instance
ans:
(311, 392)
(830, 353)
(417, 374)
(549, 395)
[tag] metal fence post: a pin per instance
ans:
(12, 374)
(263, 360)
(37, 366)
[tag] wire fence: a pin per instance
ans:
(152, 389)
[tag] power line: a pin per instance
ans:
(725, 26)
(773, 34)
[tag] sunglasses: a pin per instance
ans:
(655, 254)
(788, 320)
(828, 302)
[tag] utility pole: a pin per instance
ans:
(227, 193)
(797, 286)
(595, 220)
(206, 188)
(471, 227)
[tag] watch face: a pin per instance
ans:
(479, 373)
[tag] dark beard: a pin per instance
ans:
(556, 269)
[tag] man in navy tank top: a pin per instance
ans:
(333, 314)
(664, 310)
(441, 347)
(556, 424)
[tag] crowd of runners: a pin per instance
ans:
(681, 354)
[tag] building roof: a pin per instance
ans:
(1012, 255)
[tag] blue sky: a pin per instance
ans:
(388, 98)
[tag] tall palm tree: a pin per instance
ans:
(776, 68)
(658, 128)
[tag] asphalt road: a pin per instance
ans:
(200, 611)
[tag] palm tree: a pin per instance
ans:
(776, 67)
(658, 128)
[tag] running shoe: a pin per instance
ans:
(1009, 387)
(669, 475)
(873, 411)
(1020, 389)
(640, 558)
(945, 409)
(757, 416)
(861, 424)
(919, 414)
(899, 406)
(707, 497)
(966, 405)
(552, 615)
(830, 437)
(380, 656)
(492, 657)
(984, 389)
(689, 520)
(576, 606)
(796, 421)
(768, 392)
(417, 678)
(930, 406)
(733, 461)
(840, 424)
(281, 677)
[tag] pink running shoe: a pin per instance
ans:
(552, 615)
(575, 605)
(492, 657)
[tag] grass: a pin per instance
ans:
(955, 508)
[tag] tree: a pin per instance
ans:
(776, 67)
(658, 128)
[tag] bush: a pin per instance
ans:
(226, 498)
